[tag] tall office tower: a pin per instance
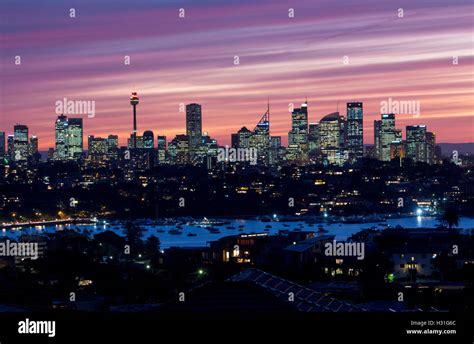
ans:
(20, 133)
(209, 148)
(298, 135)
(161, 151)
(97, 148)
(331, 138)
(275, 150)
(112, 146)
(149, 146)
(134, 100)
(112, 142)
(260, 138)
(313, 136)
(33, 152)
(74, 140)
(194, 127)
(397, 150)
(343, 134)
(2, 145)
(388, 134)
(148, 140)
(33, 145)
(355, 130)
(178, 149)
(241, 139)
(135, 142)
(416, 142)
(11, 147)
(377, 138)
(140, 142)
(61, 136)
(20, 142)
(431, 157)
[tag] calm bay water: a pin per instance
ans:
(341, 230)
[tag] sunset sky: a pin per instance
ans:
(183, 60)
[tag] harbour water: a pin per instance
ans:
(236, 226)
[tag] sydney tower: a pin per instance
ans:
(134, 102)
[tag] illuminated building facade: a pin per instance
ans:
(20, 143)
(298, 135)
(416, 143)
(332, 138)
(355, 131)
(194, 127)
(161, 150)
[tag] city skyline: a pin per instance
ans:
(233, 161)
(342, 109)
(200, 66)
(335, 139)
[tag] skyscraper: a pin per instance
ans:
(161, 151)
(148, 140)
(355, 132)
(194, 127)
(20, 143)
(112, 142)
(97, 148)
(397, 150)
(134, 100)
(241, 139)
(69, 138)
(74, 141)
(178, 149)
(416, 142)
(275, 148)
(10, 147)
(33, 145)
(112, 146)
(135, 142)
(378, 138)
(431, 156)
(298, 135)
(33, 153)
(260, 138)
(331, 138)
(61, 132)
(313, 136)
(209, 148)
(20, 132)
(386, 134)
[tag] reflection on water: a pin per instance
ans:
(238, 226)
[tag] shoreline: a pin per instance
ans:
(85, 221)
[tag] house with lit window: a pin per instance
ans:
(413, 261)
(255, 248)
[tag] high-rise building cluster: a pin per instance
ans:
(334, 140)
(68, 138)
(419, 145)
(19, 147)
